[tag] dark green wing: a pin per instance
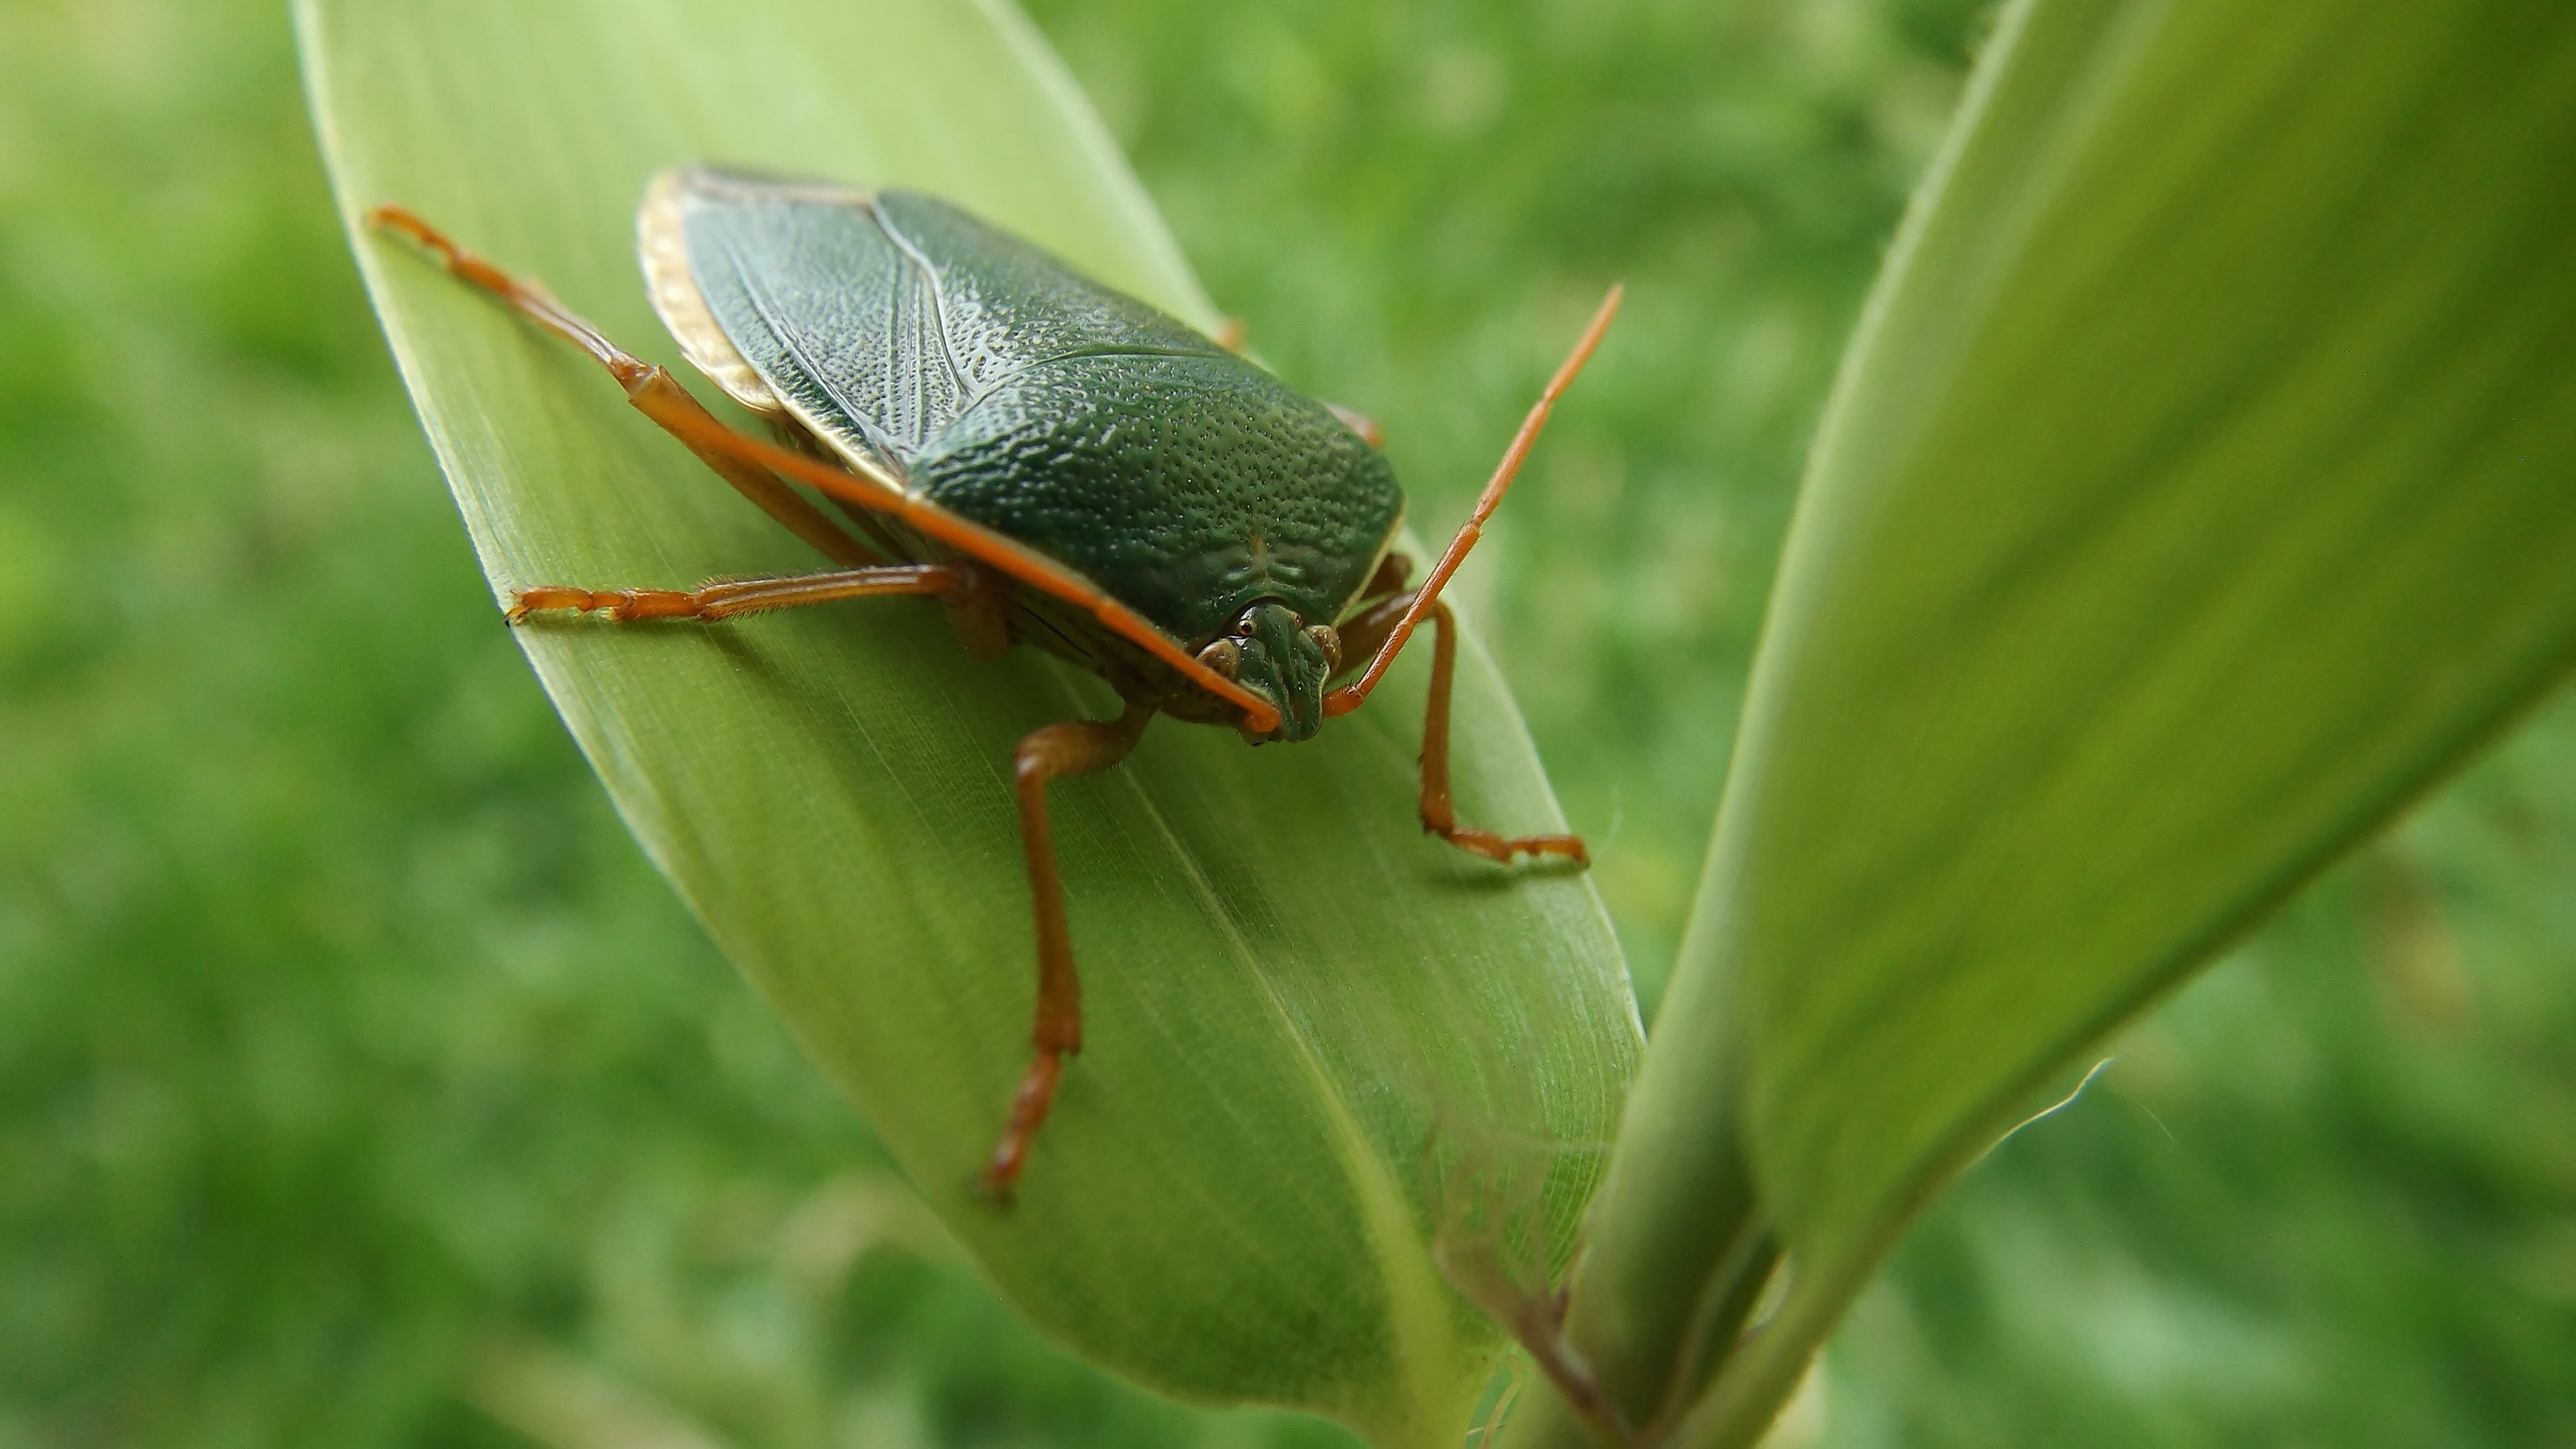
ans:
(1179, 478)
(876, 317)
(1187, 486)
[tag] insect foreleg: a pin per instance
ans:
(1438, 815)
(1076, 747)
(748, 596)
(653, 391)
(1367, 630)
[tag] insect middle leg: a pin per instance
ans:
(1076, 747)
(1360, 639)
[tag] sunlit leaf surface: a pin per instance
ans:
(1316, 1039)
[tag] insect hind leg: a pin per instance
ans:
(652, 389)
(724, 600)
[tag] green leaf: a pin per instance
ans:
(1317, 1040)
(2199, 489)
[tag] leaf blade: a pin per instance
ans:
(2193, 497)
(2154, 586)
(1232, 1200)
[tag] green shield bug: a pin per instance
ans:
(1058, 464)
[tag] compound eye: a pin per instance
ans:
(1243, 626)
(1224, 656)
(1331, 639)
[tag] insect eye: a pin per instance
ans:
(1224, 656)
(1243, 626)
(1329, 637)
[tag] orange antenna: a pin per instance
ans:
(1426, 598)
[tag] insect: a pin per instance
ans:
(1056, 463)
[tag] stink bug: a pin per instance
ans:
(1056, 463)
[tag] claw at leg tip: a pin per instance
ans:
(992, 1190)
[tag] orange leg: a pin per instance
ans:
(747, 596)
(1365, 632)
(1076, 747)
(755, 468)
(651, 389)
(1437, 816)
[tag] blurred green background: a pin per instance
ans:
(361, 1084)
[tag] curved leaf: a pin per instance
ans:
(2197, 491)
(1315, 1037)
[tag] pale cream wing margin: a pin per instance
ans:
(662, 242)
